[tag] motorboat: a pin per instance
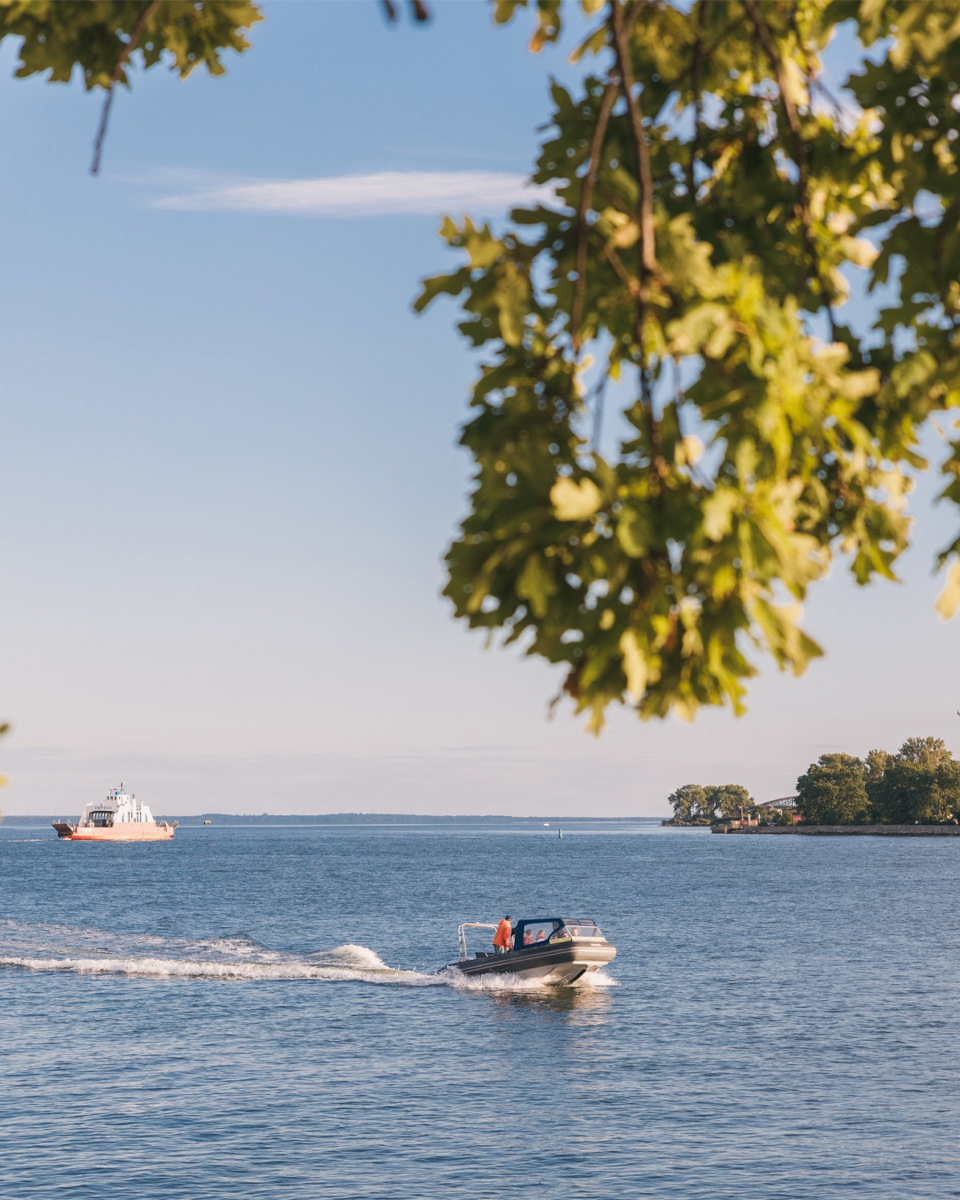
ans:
(121, 817)
(553, 950)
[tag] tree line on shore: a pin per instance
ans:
(920, 783)
(696, 804)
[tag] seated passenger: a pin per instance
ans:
(541, 934)
(527, 938)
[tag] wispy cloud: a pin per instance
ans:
(383, 193)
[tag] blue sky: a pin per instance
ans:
(230, 466)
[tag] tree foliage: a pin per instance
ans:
(94, 36)
(694, 804)
(104, 38)
(706, 199)
(920, 783)
(687, 803)
(833, 791)
(729, 798)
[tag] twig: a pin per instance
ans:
(586, 200)
(799, 153)
(598, 412)
(697, 98)
(648, 259)
(628, 281)
(949, 214)
(417, 7)
(125, 53)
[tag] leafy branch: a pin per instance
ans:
(755, 455)
(124, 57)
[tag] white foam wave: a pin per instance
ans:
(508, 982)
(358, 958)
(599, 979)
(176, 968)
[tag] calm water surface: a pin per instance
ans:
(212, 1018)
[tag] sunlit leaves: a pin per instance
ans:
(61, 35)
(754, 450)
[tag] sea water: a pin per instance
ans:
(261, 1012)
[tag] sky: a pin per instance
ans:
(230, 468)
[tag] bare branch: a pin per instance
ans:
(598, 396)
(586, 200)
(122, 61)
(648, 257)
(948, 218)
(647, 265)
(417, 8)
(697, 99)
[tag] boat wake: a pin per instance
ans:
(168, 968)
(40, 947)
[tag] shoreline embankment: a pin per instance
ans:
(847, 830)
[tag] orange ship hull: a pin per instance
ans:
(131, 833)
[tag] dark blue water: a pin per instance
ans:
(212, 1018)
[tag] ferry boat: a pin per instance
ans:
(118, 818)
(553, 950)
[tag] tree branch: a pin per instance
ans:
(122, 61)
(586, 200)
(628, 281)
(648, 259)
(417, 7)
(598, 394)
(799, 153)
(697, 99)
(949, 215)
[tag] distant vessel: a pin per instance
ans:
(118, 818)
(208, 822)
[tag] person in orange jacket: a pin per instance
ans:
(502, 938)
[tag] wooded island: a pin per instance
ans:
(919, 784)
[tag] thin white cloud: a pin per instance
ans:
(385, 192)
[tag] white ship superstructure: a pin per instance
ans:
(120, 817)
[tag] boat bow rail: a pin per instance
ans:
(462, 935)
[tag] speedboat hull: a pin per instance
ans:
(558, 965)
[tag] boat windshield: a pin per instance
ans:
(575, 927)
(535, 933)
